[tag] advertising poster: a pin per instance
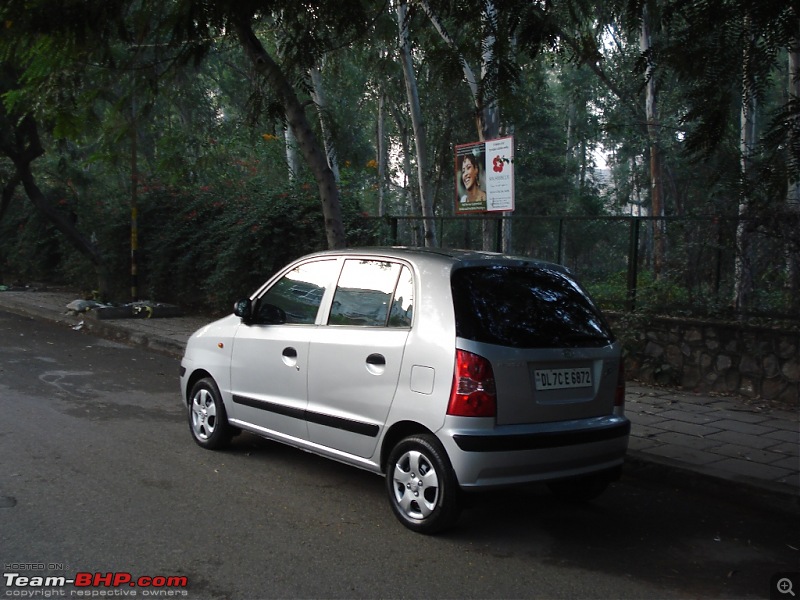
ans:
(484, 176)
(500, 174)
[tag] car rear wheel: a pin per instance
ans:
(423, 490)
(208, 420)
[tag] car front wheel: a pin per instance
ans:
(208, 420)
(423, 490)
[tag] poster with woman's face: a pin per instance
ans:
(484, 176)
(470, 180)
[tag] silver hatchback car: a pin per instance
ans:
(446, 371)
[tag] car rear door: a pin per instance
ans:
(355, 360)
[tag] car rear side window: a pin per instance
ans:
(373, 293)
(525, 307)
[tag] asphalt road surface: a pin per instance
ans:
(100, 475)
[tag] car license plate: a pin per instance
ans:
(560, 379)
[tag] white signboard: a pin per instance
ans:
(500, 174)
(484, 176)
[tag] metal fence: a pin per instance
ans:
(614, 258)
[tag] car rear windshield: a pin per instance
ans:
(525, 307)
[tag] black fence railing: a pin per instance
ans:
(698, 274)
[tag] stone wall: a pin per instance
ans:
(706, 356)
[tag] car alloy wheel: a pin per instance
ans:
(421, 484)
(207, 418)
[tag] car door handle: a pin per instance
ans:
(376, 359)
(376, 363)
(289, 357)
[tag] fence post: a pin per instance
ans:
(633, 265)
(393, 225)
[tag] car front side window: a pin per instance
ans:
(298, 294)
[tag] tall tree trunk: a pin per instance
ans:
(487, 112)
(383, 154)
(489, 119)
(292, 160)
(318, 96)
(793, 195)
(298, 121)
(409, 201)
(656, 184)
(134, 204)
(418, 124)
(743, 276)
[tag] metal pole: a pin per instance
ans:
(134, 209)
(633, 265)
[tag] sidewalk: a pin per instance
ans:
(726, 439)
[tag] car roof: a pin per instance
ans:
(453, 256)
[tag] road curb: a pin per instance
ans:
(650, 467)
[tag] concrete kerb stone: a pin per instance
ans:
(52, 307)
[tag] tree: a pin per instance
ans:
(651, 111)
(793, 182)
(418, 123)
(39, 52)
(484, 89)
(303, 133)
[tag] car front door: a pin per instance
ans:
(355, 360)
(269, 364)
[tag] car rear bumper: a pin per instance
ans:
(510, 455)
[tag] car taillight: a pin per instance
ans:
(473, 393)
(619, 396)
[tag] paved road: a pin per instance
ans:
(99, 474)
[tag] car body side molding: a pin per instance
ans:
(367, 429)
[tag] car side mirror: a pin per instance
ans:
(244, 310)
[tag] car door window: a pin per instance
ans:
(298, 293)
(368, 293)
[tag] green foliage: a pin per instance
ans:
(207, 248)
(219, 213)
(201, 248)
(28, 246)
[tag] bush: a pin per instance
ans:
(201, 249)
(204, 250)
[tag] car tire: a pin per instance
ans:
(580, 489)
(208, 420)
(422, 487)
